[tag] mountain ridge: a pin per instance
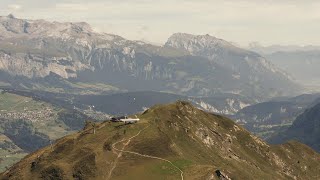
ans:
(269, 118)
(168, 132)
(305, 129)
(37, 49)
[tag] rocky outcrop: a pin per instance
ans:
(187, 64)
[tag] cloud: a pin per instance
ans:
(243, 21)
(72, 7)
(14, 7)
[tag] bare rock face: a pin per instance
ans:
(29, 66)
(187, 64)
(225, 54)
(34, 48)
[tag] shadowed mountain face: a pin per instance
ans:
(268, 118)
(305, 129)
(134, 102)
(75, 57)
(173, 141)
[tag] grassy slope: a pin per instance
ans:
(19, 104)
(49, 127)
(306, 129)
(196, 142)
(9, 152)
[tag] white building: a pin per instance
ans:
(127, 120)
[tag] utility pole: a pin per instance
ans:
(94, 128)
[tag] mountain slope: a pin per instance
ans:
(306, 129)
(293, 59)
(133, 102)
(174, 141)
(296, 61)
(268, 118)
(27, 124)
(72, 53)
(248, 68)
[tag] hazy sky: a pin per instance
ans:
(242, 21)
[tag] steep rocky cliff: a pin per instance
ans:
(187, 64)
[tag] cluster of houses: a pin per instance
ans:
(30, 115)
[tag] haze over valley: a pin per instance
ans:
(81, 101)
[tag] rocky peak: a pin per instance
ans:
(10, 25)
(14, 27)
(195, 43)
(85, 49)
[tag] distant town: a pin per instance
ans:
(29, 115)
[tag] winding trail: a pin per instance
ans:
(114, 149)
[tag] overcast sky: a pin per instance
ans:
(294, 22)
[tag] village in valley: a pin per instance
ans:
(29, 115)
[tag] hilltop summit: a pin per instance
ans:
(173, 141)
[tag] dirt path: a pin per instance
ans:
(153, 157)
(114, 149)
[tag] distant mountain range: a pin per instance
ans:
(173, 141)
(54, 76)
(305, 129)
(256, 47)
(303, 65)
(302, 62)
(71, 57)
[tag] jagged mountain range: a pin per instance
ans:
(194, 65)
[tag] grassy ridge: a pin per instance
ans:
(196, 142)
